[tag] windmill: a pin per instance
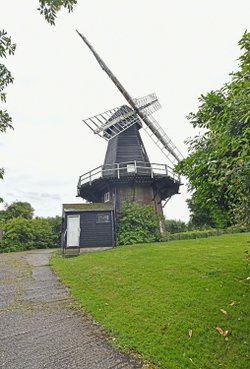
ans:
(127, 172)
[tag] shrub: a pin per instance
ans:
(203, 233)
(175, 226)
(17, 235)
(25, 234)
(138, 224)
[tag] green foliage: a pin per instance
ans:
(204, 219)
(50, 8)
(22, 232)
(18, 209)
(175, 226)
(137, 224)
(148, 297)
(43, 234)
(16, 219)
(18, 235)
(6, 48)
(218, 165)
(203, 233)
(25, 234)
(55, 224)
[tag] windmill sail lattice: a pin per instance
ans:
(164, 142)
(148, 104)
(108, 125)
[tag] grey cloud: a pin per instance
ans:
(50, 196)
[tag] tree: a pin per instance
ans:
(55, 224)
(25, 234)
(50, 8)
(218, 164)
(22, 232)
(19, 209)
(17, 235)
(138, 224)
(6, 48)
(43, 235)
(175, 226)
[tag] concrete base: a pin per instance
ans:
(71, 251)
(94, 249)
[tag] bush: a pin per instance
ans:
(43, 236)
(25, 234)
(203, 233)
(17, 235)
(18, 209)
(138, 224)
(175, 226)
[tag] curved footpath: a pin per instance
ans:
(39, 329)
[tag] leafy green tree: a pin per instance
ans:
(18, 209)
(18, 235)
(218, 164)
(25, 234)
(175, 226)
(50, 8)
(42, 234)
(138, 224)
(55, 224)
(201, 219)
(6, 48)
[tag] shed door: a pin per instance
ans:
(73, 230)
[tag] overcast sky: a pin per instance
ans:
(178, 49)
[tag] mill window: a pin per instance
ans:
(131, 168)
(103, 218)
(106, 197)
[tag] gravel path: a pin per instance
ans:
(39, 328)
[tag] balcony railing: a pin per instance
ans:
(128, 169)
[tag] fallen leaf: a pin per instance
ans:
(219, 330)
(190, 333)
(248, 278)
(224, 311)
(223, 333)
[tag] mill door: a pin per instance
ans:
(73, 230)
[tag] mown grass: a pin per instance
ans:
(149, 296)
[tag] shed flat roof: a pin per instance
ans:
(88, 207)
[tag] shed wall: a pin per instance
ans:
(95, 232)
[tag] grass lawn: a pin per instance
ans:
(165, 300)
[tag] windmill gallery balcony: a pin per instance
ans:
(100, 179)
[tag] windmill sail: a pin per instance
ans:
(161, 139)
(147, 104)
(109, 124)
(153, 128)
